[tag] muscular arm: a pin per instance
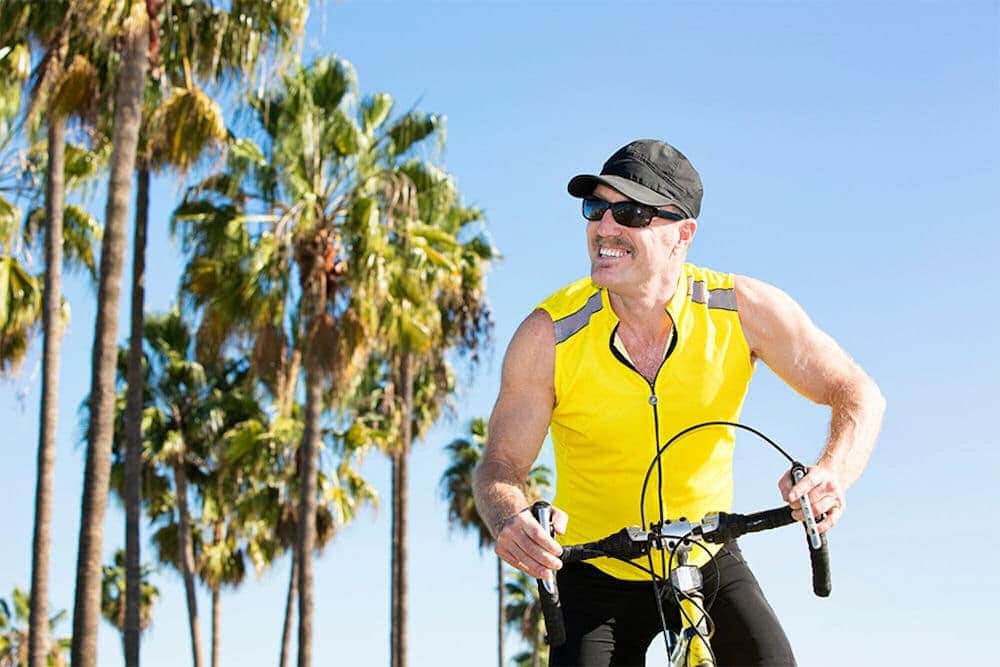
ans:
(810, 361)
(517, 429)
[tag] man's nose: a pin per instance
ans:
(607, 225)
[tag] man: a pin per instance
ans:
(617, 363)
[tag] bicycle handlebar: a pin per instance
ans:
(716, 527)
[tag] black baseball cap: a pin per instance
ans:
(650, 172)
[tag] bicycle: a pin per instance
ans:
(691, 646)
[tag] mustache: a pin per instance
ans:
(612, 242)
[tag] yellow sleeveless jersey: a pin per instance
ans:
(608, 420)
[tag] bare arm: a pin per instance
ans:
(810, 361)
(517, 429)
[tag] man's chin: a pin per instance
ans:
(602, 277)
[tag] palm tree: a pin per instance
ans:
(63, 83)
(457, 488)
(127, 115)
(436, 304)
(14, 638)
(113, 594)
(198, 40)
(323, 229)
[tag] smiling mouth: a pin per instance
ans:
(611, 253)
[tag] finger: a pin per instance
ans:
(802, 488)
(538, 552)
(785, 484)
(513, 554)
(532, 530)
(527, 562)
(830, 521)
(825, 504)
(559, 521)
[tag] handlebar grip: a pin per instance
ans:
(555, 630)
(819, 549)
(820, 559)
(548, 591)
(578, 552)
(768, 519)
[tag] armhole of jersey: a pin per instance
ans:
(555, 356)
(751, 358)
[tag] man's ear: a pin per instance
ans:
(688, 228)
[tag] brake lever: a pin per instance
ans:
(815, 541)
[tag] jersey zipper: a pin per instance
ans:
(652, 400)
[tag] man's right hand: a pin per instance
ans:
(522, 543)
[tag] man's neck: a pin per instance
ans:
(644, 309)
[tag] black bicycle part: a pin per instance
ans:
(555, 629)
(819, 557)
(623, 545)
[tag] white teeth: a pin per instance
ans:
(611, 252)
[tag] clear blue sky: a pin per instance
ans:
(849, 155)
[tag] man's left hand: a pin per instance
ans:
(826, 494)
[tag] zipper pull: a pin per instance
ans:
(652, 399)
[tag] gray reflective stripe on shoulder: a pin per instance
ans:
(722, 298)
(572, 323)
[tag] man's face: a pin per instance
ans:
(624, 259)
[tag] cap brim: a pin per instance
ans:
(584, 184)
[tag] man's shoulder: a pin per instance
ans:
(570, 299)
(712, 278)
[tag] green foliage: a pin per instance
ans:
(81, 232)
(523, 612)
(20, 311)
(113, 593)
(456, 483)
(15, 66)
(183, 128)
(14, 633)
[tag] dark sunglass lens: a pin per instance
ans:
(594, 208)
(631, 214)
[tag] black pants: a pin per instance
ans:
(612, 622)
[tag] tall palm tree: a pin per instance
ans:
(456, 483)
(196, 40)
(436, 305)
(127, 116)
(63, 83)
(14, 637)
(457, 489)
(321, 227)
(113, 594)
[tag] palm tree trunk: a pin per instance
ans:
(290, 384)
(216, 613)
(309, 460)
(38, 623)
(133, 426)
(128, 115)
(394, 564)
(500, 608)
(400, 501)
(187, 561)
(286, 632)
(536, 646)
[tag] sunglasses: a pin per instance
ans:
(626, 213)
